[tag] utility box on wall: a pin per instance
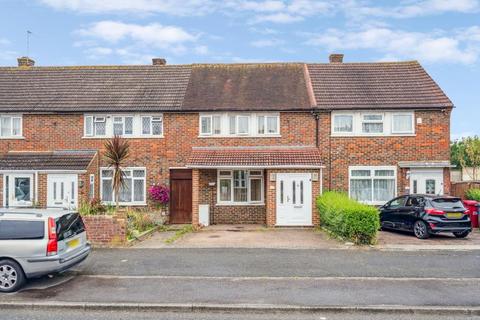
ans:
(204, 214)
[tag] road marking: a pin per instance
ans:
(406, 279)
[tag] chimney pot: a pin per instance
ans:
(336, 58)
(159, 61)
(25, 62)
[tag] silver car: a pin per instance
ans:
(37, 242)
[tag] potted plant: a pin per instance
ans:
(160, 196)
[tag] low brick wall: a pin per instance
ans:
(105, 230)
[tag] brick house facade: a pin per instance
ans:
(259, 141)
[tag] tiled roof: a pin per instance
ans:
(375, 85)
(96, 88)
(268, 86)
(270, 157)
(55, 160)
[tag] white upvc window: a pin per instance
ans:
(10, 126)
(152, 125)
(372, 123)
(132, 192)
(268, 124)
(372, 184)
(91, 190)
(240, 187)
(343, 123)
(239, 124)
(129, 126)
(402, 123)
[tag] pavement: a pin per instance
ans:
(318, 280)
(257, 236)
(121, 315)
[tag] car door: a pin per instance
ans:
(410, 212)
(390, 217)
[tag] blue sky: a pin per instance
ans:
(444, 35)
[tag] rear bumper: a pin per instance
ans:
(38, 267)
(438, 225)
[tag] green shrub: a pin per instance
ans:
(139, 222)
(347, 218)
(473, 194)
(92, 207)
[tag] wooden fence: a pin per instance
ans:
(458, 188)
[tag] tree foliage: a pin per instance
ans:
(466, 153)
(117, 151)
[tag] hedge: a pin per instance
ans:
(348, 219)
(473, 194)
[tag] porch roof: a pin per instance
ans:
(49, 160)
(255, 157)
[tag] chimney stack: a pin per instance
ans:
(25, 62)
(159, 61)
(336, 58)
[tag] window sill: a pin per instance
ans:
(248, 204)
(126, 137)
(12, 138)
(241, 136)
(125, 204)
(339, 135)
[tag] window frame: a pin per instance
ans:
(124, 203)
(372, 178)
(266, 116)
(249, 175)
(12, 117)
(358, 120)
(396, 114)
(90, 120)
(229, 124)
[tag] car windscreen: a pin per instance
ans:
(447, 203)
(20, 230)
(69, 225)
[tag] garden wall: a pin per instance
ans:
(106, 230)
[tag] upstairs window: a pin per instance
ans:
(402, 123)
(10, 126)
(369, 123)
(372, 123)
(130, 126)
(343, 123)
(242, 124)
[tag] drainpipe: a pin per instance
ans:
(316, 116)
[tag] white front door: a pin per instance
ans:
(62, 191)
(426, 181)
(294, 199)
(18, 190)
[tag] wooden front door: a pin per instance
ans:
(180, 196)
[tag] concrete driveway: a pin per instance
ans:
(257, 236)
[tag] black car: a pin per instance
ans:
(426, 215)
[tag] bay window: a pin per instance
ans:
(10, 126)
(240, 186)
(372, 185)
(132, 192)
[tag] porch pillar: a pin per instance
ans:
(195, 196)
(270, 198)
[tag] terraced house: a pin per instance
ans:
(236, 143)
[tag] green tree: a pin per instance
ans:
(117, 151)
(466, 154)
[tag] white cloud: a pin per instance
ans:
(410, 9)
(258, 6)
(201, 50)
(267, 43)
(277, 18)
(154, 34)
(4, 42)
(173, 7)
(436, 47)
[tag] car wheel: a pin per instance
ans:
(11, 276)
(461, 234)
(420, 229)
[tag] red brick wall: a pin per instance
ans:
(431, 142)
(106, 230)
(225, 214)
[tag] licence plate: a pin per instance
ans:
(73, 244)
(454, 215)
